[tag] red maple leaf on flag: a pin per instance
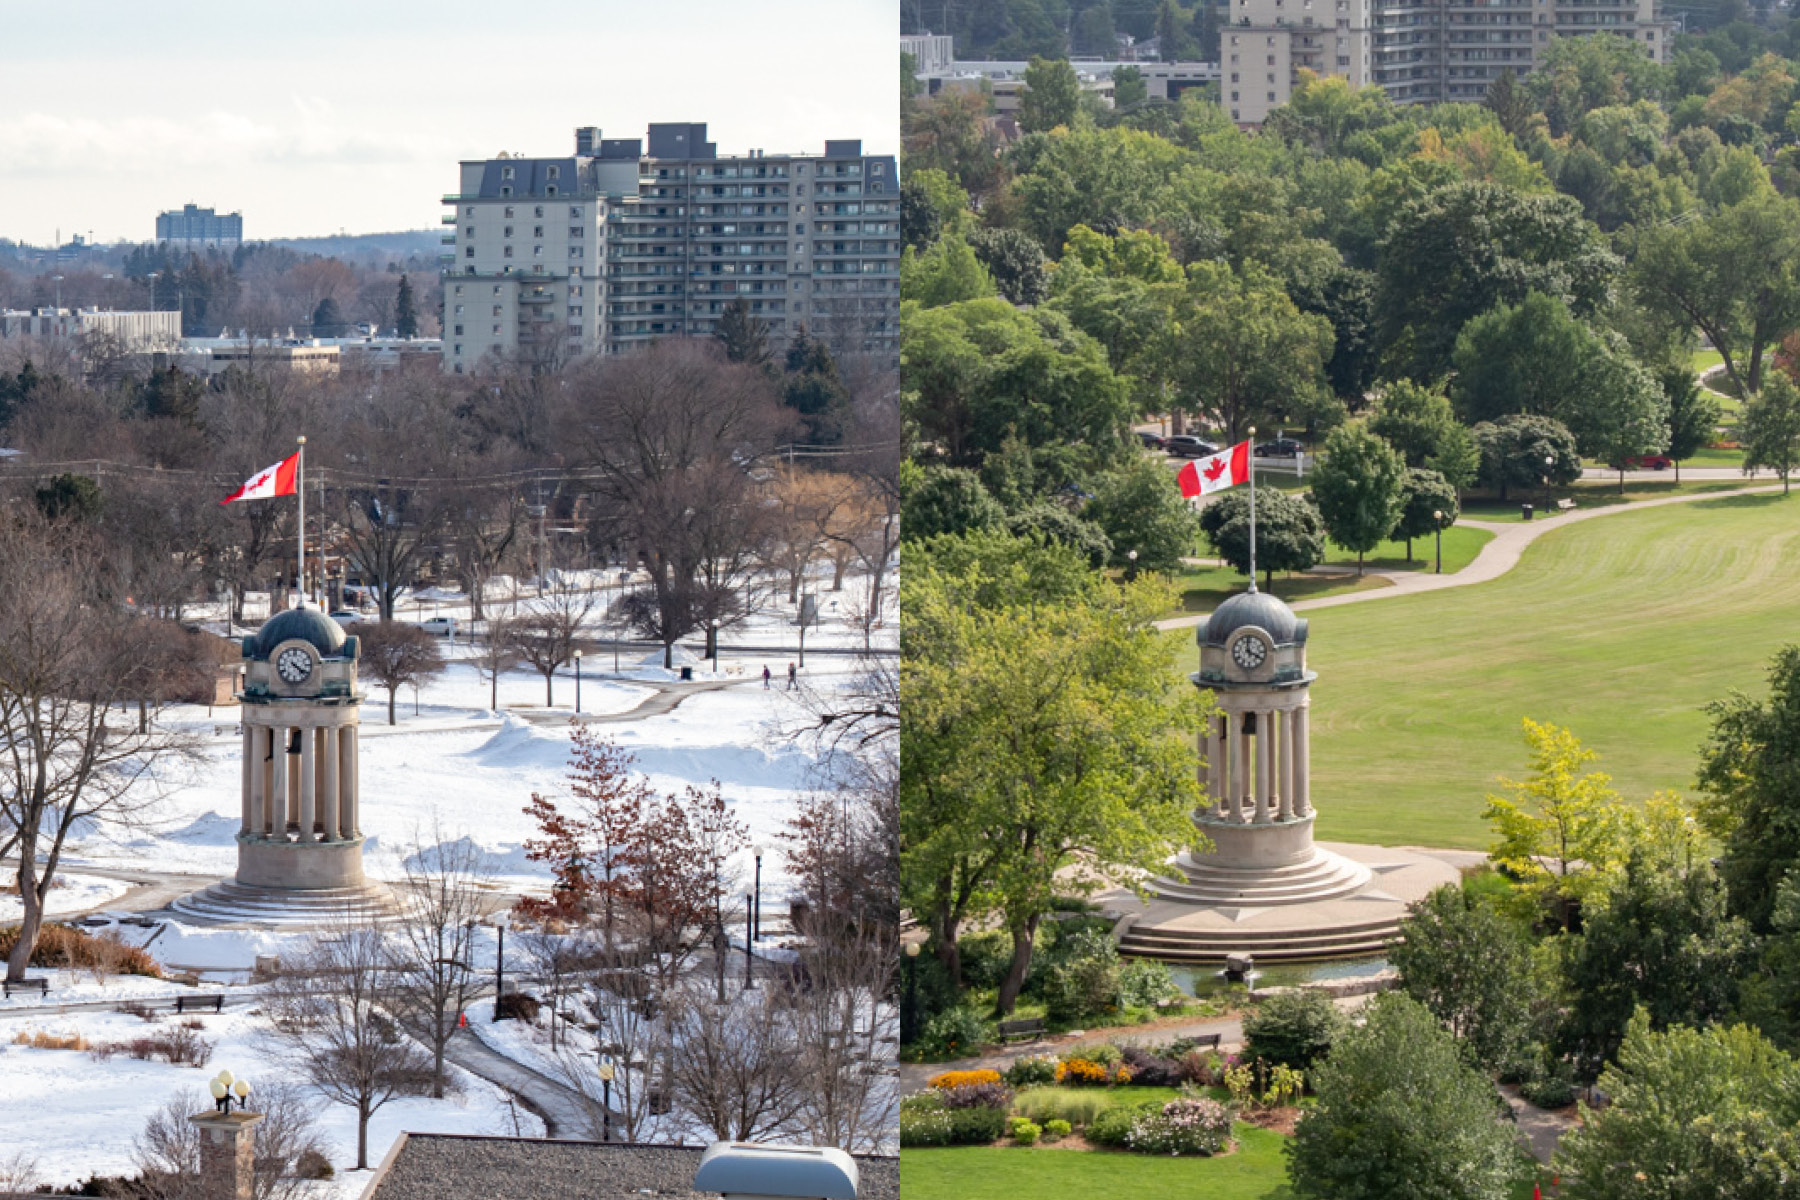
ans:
(1214, 468)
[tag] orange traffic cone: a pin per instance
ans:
(463, 1020)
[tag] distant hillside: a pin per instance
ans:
(404, 244)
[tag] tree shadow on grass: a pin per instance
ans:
(1760, 500)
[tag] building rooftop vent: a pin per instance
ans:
(745, 1171)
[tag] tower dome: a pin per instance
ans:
(1258, 609)
(303, 624)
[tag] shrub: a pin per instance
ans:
(517, 1006)
(1149, 1069)
(141, 1011)
(178, 1047)
(1026, 1133)
(66, 947)
(1031, 1072)
(1184, 1125)
(1551, 1085)
(313, 1165)
(1081, 1072)
(1145, 983)
(985, 958)
(1104, 1053)
(921, 1102)
(51, 1041)
(1045, 1105)
(1203, 1067)
(1113, 1126)
(1293, 1028)
(979, 1095)
(951, 1127)
(1056, 1131)
(951, 1080)
(1085, 981)
(952, 1032)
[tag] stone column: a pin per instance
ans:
(328, 782)
(1265, 765)
(309, 786)
(1302, 779)
(278, 796)
(348, 815)
(227, 1154)
(264, 779)
(1286, 773)
(244, 824)
(1240, 766)
(1213, 778)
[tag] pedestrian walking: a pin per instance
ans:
(765, 677)
(793, 677)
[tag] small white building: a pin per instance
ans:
(140, 332)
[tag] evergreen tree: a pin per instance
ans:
(74, 496)
(327, 319)
(744, 336)
(1509, 104)
(174, 394)
(1168, 32)
(406, 314)
(813, 389)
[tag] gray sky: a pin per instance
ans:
(324, 115)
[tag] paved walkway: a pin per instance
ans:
(1500, 555)
(564, 1113)
(1540, 1128)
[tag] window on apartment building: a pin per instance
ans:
(1234, 77)
(459, 308)
(457, 349)
(1271, 60)
(468, 252)
(469, 211)
(505, 191)
(1234, 97)
(554, 172)
(537, 231)
(506, 172)
(1271, 97)
(575, 210)
(574, 310)
(498, 309)
(496, 331)
(457, 290)
(1343, 60)
(575, 252)
(508, 215)
(539, 211)
(551, 190)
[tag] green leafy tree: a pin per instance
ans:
(1427, 504)
(1770, 429)
(1460, 957)
(70, 497)
(1054, 523)
(1139, 508)
(1357, 487)
(406, 309)
(744, 335)
(932, 204)
(1692, 1112)
(948, 500)
(1051, 97)
(1573, 76)
(1294, 1028)
(1462, 249)
(1245, 355)
(981, 371)
(1528, 357)
(1735, 274)
(1526, 451)
(1289, 533)
(947, 272)
(949, 132)
(1397, 1106)
(1750, 778)
(1560, 830)
(1102, 178)
(1694, 414)
(1168, 32)
(1037, 735)
(1624, 412)
(1659, 941)
(1346, 298)
(1129, 87)
(1413, 418)
(1509, 104)
(1015, 262)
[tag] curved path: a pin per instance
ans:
(563, 1112)
(1496, 558)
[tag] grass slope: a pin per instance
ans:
(1256, 1172)
(1622, 628)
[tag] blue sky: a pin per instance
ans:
(323, 115)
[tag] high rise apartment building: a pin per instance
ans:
(193, 228)
(622, 243)
(1419, 51)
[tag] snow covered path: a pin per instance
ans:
(561, 1110)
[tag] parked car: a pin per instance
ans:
(1280, 448)
(347, 617)
(1646, 462)
(1184, 445)
(440, 626)
(1151, 441)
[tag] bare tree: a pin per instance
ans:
(547, 636)
(167, 1151)
(496, 656)
(736, 1075)
(397, 654)
(67, 656)
(330, 1018)
(18, 1173)
(634, 1038)
(442, 899)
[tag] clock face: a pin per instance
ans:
(1248, 652)
(294, 665)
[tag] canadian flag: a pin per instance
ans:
(1227, 468)
(277, 480)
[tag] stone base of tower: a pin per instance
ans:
(233, 903)
(1331, 900)
(299, 866)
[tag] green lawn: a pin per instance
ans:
(1203, 588)
(1622, 628)
(1256, 1172)
(1706, 360)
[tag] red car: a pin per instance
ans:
(1647, 462)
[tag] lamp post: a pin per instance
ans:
(749, 957)
(1131, 570)
(756, 908)
(498, 921)
(578, 683)
(223, 1088)
(909, 1010)
(606, 1078)
(1437, 525)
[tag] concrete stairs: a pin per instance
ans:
(1320, 876)
(230, 902)
(1297, 944)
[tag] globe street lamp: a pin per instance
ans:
(223, 1088)
(1131, 570)
(498, 921)
(577, 683)
(1437, 523)
(606, 1078)
(909, 1009)
(749, 957)
(756, 920)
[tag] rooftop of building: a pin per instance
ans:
(427, 1166)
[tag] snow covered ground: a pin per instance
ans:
(83, 1112)
(70, 893)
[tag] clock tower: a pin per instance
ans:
(299, 839)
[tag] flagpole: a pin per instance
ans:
(1250, 453)
(300, 490)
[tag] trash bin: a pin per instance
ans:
(687, 674)
(1525, 511)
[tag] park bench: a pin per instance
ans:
(1022, 1031)
(40, 986)
(1565, 505)
(186, 1003)
(1206, 1039)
